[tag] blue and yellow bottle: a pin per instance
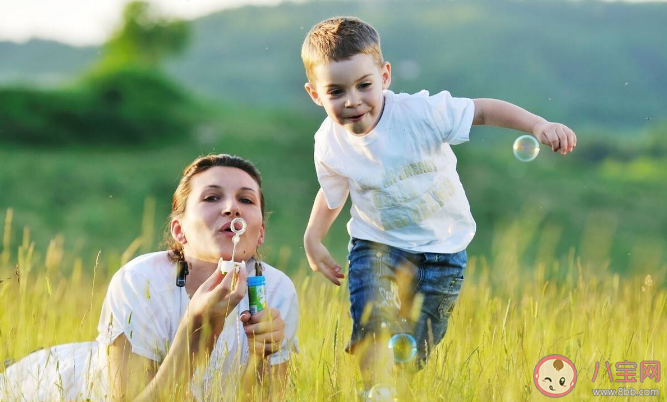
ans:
(257, 291)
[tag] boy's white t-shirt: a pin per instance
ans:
(401, 176)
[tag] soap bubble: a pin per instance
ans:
(526, 148)
(404, 347)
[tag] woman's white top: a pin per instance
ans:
(144, 303)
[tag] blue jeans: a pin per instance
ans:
(401, 292)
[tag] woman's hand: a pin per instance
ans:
(215, 299)
(265, 331)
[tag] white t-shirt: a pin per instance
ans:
(144, 303)
(402, 175)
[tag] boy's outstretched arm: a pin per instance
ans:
(494, 112)
(319, 258)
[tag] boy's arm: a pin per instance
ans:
(321, 219)
(494, 112)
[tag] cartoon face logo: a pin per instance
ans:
(555, 376)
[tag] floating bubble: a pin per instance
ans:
(526, 148)
(404, 347)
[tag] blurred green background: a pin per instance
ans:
(93, 139)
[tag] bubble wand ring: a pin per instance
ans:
(243, 223)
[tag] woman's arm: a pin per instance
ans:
(265, 331)
(259, 375)
(278, 381)
(132, 377)
(137, 378)
(128, 372)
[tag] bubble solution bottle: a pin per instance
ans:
(256, 293)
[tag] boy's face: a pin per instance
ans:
(350, 91)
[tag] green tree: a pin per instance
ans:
(125, 99)
(144, 38)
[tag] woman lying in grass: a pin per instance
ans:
(158, 340)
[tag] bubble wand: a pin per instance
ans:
(237, 232)
(227, 266)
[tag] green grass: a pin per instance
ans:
(510, 314)
(97, 198)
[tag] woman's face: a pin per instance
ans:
(218, 195)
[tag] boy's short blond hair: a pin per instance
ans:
(337, 39)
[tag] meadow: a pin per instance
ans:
(510, 314)
(568, 256)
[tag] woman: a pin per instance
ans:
(159, 340)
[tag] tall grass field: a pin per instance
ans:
(568, 255)
(510, 314)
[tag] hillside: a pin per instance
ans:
(586, 63)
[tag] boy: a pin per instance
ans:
(411, 221)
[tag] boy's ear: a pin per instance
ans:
(310, 88)
(385, 72)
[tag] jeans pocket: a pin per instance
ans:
(446, 307)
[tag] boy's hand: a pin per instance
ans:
(557, 136)
(321, 261)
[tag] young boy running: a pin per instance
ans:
(411, 222)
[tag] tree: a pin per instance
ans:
(144, 39)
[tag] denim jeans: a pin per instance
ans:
(402, 292)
